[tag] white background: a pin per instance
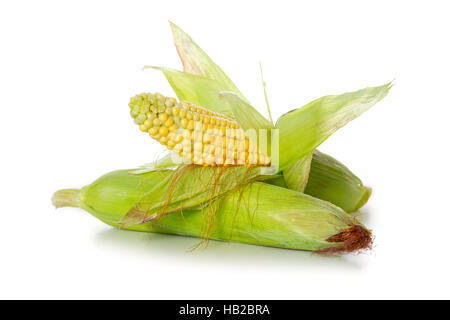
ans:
(67, 70)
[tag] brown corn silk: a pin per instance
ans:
(354, 239)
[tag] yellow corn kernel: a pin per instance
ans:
(163, 140)
(170, 144)
(195, 133)
(153, 131)
(184, 122)
(168, 123)
(163, 117)
(164, 131)
(156, 122)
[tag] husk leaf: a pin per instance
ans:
(247, 116)
(196, 89)
(296, 175)
(196, 61)
(330, 180)
(187, 187)
(303, 130)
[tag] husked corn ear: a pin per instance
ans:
(198, 135)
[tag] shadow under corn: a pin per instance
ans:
(186, 250)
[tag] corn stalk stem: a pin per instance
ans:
(67, 198)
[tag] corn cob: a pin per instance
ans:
(260, 214)
(198, 135)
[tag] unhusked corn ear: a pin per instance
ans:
(259, 214)
(332, 181)
(198, 135)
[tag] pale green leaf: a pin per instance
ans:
(197, 89)
(196, 61)
(303, 130)
(247, 116)
(332, 181)
(296, 175)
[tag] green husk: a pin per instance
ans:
(296, 176)
(303, 130)
(188, 186)
(330, 180)
(196, 61)
(196, 89)
(244, 113)
(259, 214)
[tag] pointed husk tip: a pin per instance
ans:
(364, 198)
